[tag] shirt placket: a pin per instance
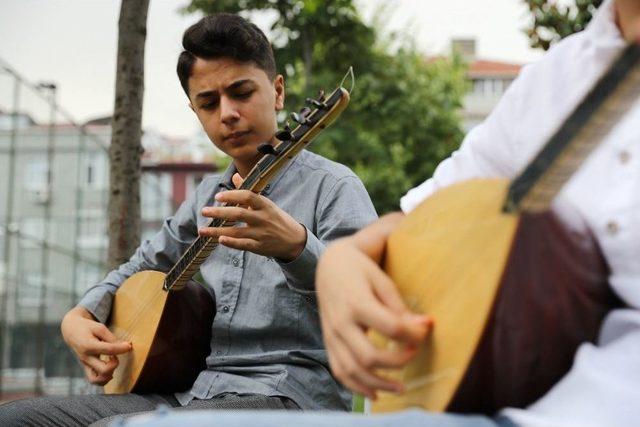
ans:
(227, 300)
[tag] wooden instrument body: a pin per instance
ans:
(512, 297)
(170, 333)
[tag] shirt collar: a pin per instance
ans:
(603, 31)
(227, 184)
(225, 180)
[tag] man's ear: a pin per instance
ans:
(278, 84)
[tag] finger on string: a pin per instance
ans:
(238, 232)
(408, 328)
(371, 357)
(231, 214)
(240, 197)
(342, 370)
(240, 244)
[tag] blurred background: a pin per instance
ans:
(426, 73)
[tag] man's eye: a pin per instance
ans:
(209, 105)
(243, 95)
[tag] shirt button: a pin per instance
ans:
(624, 157)
(236, 262)
(613, 227)
(225, 309)
(268, 186)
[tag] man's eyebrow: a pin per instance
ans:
(232, 86)
(206, 94)
(239, 83)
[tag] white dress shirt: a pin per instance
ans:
(603, 386)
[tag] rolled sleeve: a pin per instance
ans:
(97, 300)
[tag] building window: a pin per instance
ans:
(155, 196)
(30, 293)
(95, 171)
(87, 275)
(93, 232)
(36, 174)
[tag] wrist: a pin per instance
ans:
(300, 241)
(80, 311)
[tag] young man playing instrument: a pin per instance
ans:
(603, 386)
(266, 348)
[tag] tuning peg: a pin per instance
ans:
(321, 97)
(267, 148)
(285, 134)
(299, 118)
(318, 104)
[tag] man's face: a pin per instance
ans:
(236, 104)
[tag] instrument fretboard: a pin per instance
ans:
(256, 180)
(590, 122)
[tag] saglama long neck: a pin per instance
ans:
(608, 101)
(202, 247)
(255, 181)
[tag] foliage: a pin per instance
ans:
(401, 123)
(552, 21)
(402, 119)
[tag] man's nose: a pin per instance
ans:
(228, 111)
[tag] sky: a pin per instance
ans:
(73, 43)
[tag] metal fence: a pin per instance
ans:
(53, 238)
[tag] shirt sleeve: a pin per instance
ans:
(159, 253)
(345, 207)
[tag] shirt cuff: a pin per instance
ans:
(301, 272)
(98, 302)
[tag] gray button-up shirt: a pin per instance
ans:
(266, 332)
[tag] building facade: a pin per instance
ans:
(53, 230)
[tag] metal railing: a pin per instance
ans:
(52, 232)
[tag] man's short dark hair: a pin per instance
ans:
(224, 35)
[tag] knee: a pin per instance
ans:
(23, 412)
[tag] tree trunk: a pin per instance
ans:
(126, 148)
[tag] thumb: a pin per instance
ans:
(237, 180)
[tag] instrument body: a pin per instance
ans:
(513, 297)
(170, 332)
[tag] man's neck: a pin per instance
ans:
(628, 19)
(244, 166)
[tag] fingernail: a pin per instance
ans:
(218, 196)
(431, 322)
(419, 318)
